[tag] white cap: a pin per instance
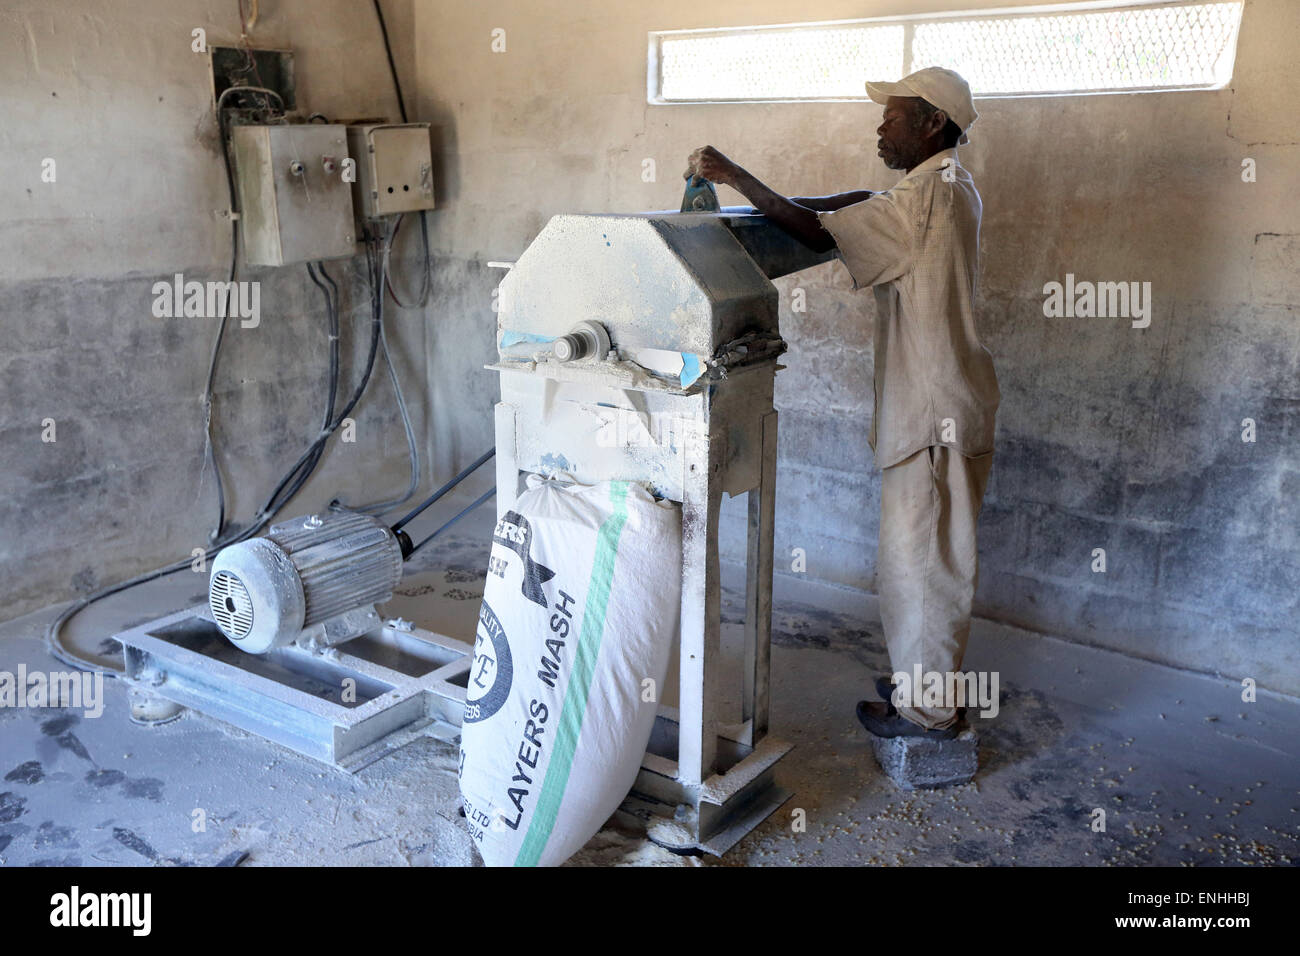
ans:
(942, 89)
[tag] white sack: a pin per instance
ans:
(578, 617)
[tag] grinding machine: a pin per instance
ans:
(644, 348)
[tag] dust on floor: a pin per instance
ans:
(1185, 772)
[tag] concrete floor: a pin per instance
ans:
(1187, 773)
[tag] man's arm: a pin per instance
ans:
(795, 218)
(831, 203)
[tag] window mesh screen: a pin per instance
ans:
(1152, 48)
(778, 64)
(1170, 46)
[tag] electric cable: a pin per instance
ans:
(412, 448)
(331, 312)
(275, 502)
(427, 281)
(426, 285)
(210, 449)
(388, 50)
(246, 23)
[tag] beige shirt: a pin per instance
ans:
(917, 245)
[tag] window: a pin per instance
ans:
(1097, 47)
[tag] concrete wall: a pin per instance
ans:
(1108, 437)
(114, 94)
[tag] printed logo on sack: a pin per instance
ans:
(514, 532)
(492, 672)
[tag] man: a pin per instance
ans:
(916, 246)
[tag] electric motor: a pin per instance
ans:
(265, 592)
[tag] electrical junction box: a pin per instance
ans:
(394, 169)
(294, 205)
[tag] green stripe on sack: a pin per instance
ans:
(575, 696)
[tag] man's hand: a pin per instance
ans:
(710, 164)
(799, 221)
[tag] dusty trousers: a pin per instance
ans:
(927, 564)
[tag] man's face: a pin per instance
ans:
(900, 142)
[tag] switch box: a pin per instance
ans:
(294, 205)
(394, 169)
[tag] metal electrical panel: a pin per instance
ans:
(294, 205)
(394, 168)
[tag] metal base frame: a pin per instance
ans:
(347, 706)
